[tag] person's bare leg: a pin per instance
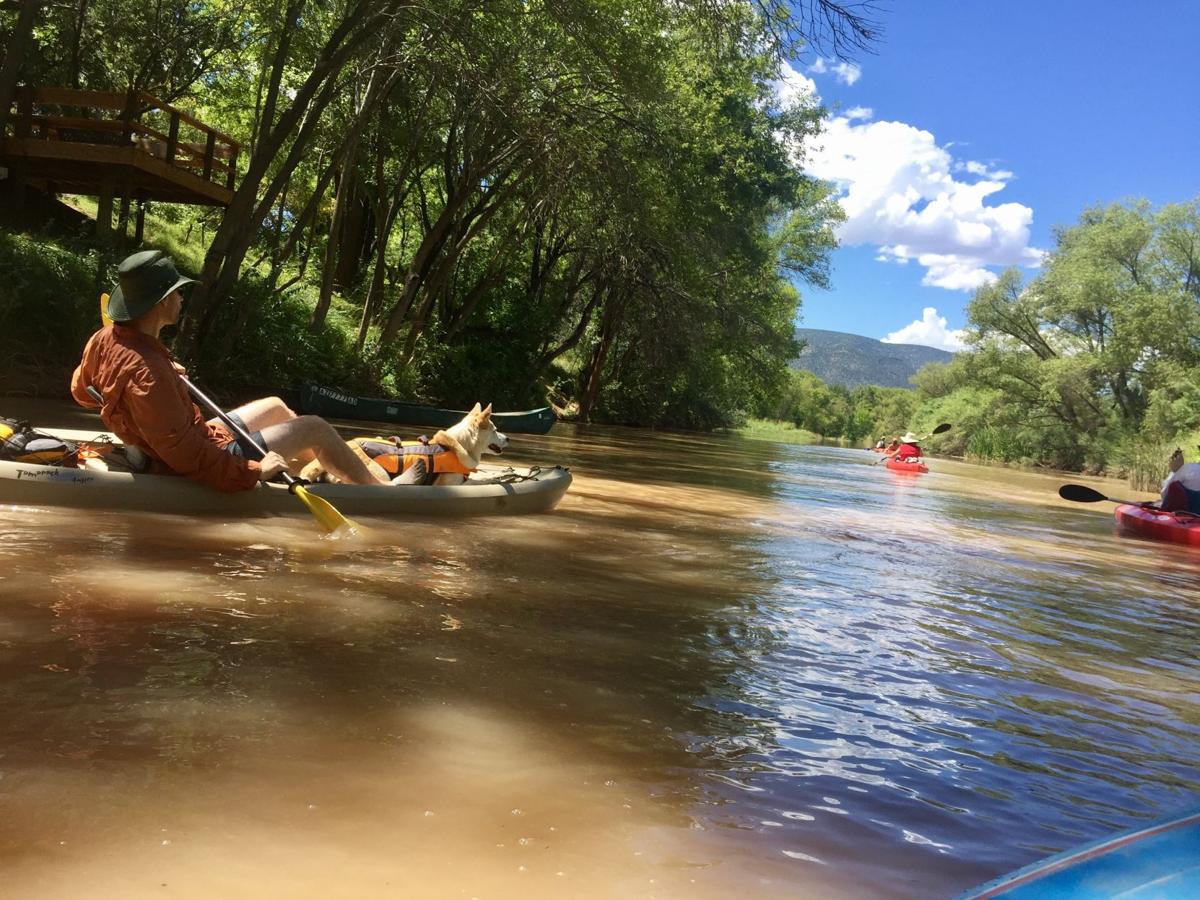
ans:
(265, 412)
(312, 433)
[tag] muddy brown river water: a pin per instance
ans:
(720, 668)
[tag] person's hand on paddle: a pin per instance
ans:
(272, 464)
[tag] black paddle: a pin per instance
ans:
(1080, 493)
(1083, 494)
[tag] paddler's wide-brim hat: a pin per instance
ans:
(910, 438)
(143, 280)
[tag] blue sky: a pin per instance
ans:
(976, 128)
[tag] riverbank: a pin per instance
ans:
(772, 430)
(49, 306)
(1141, 475)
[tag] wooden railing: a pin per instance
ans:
(140, 121)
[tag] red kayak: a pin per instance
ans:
(899, 465)
(1178, 528)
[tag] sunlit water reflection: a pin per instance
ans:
(719, 667)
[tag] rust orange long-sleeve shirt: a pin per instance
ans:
(146, 403)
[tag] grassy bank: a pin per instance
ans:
(771, 430)
(49, 305)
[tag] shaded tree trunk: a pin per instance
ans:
(593, 374)
(14, 60)
(224, 258)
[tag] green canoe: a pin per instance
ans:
(331, 404)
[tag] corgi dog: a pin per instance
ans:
(446, 458)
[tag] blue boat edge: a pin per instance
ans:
(1183, 829)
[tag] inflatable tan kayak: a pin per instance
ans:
(493, 490)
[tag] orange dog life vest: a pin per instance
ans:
(396, 456)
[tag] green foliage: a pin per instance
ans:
(1144, 461)
(990, 443)
(861, 415)
(1091, 365)
(599, 198)
(283, 351)
(970, 410)
(49, 305)
(1173, 405)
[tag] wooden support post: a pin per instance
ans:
(140, 228)
(24, 111)
(127, 118)
(173, 137)
(104, 212)
(209, 148)
(232, 169)
(123, 216)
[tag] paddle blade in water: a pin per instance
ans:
(1080, 493)
(325, 514)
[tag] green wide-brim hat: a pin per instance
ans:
(144, 279)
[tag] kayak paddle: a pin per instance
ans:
(1080, 493)
(323, 511)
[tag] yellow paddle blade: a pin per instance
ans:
(325, 514)
(104, 319)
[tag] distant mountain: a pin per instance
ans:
(850, 359)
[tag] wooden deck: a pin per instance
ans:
(68, 141)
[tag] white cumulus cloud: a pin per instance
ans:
(792, 87)
(929, 330)
(975, 167)
(845, 72)
(902, 193)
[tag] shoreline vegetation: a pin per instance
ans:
(774, 430)
(53, 273)
(559, 211)
(788, 433)
(1090, 366)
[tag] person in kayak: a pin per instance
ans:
(881, 444)
(147, 405)
(1181, 490)
(909, 449)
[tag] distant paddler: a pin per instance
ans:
(908, 447)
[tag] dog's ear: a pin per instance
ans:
(487, 411)
(475, 410)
